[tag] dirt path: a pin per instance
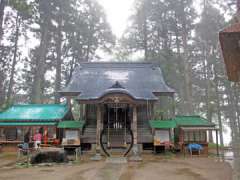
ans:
(151, 168)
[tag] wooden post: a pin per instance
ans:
(69, 102)
(134, 125)
(97, 155)
(81, 111)
(135, 151)
(98, 127)
(173, 106)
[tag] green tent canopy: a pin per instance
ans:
(70, 124)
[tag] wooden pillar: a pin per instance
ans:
(134, 125)
(81, 111)
(152, 110)
(69, 102)
(97, 155)
(98, 130)
(135, 149)
(173, 106)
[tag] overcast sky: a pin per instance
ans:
(118, 12)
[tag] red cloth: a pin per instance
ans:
(37, 137)
(167, 144)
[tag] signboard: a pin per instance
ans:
(160, 137)
(71, 134)
(71, 138)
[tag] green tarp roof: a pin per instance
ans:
(162, 124)
(15, 124)
(181, 121)
(70, 124)
(192, 121)
(44, 112)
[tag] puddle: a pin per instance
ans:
(228, 157)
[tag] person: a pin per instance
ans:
(45, 136)
(26, 140)
(37, 140)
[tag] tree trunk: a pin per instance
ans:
(2, 7)
(89, 42)
(206, 69)
(235, 132)
(39, 71)
(59, 54)
(14, 61)
(238, 6)
(72, 66)
(145, 40)
(219, 110)
(2, 91)
(187, 74)
(236, 102)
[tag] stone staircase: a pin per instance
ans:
(89, 134)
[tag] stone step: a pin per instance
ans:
(116, 160)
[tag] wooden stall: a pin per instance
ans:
(192, 130)
(71, 133)
(16, 121)
(162, 134)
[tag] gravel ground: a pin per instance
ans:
(151, 168)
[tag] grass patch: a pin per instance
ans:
(23, 165)
(8, 155)
(213, 145)
(169, 155)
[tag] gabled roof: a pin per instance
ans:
(34, 112)
(139, 80)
